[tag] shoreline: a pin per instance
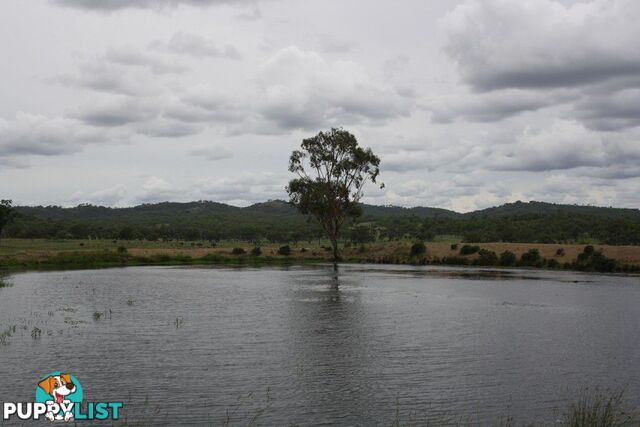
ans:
(19, 255)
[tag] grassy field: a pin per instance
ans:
(41, 253)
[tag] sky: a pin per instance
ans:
(469, 103)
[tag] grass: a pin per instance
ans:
(42, 254)
(600, 409)
(6, 334)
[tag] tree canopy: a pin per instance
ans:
(332, 170)
(6, 213)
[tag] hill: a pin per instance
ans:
(276, 220)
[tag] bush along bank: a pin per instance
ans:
(589, 260)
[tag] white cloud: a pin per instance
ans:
(156, 189)
(243, 188)
(111, 196)
(301, 90)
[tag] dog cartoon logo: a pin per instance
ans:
(60, 391)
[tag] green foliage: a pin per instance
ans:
(278, 221)
(468, 250)
(454, 247)
(238, 251)
(256, 251)
(284, 250)
(508, 258)
(7, 213)
(487, 257)
(531, 258)
(592, 260)
(418, 249)
(126, 233)
(332, 170)
(122, 250)
(361, 234)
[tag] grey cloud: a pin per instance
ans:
(253, 15)
(31, 134)
(212, 153)
(611, 111)
(136, 58)
(564, 145)
(112, 5)
(167, 128)
(491, 107)
(184, 43)
(116, 111)
(100, 81)
(543, 44)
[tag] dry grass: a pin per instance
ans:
(40, 249)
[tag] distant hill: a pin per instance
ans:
(543, 208)
(168, 211)
(277, 220)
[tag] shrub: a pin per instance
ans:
(454, 247)
(122, 250)
(284, 250)
(531, 258)
(487, 257)
(238, 251)
(256, 251)
(592, 260)
(507, 258)
(560, 252)
(417, 249)
(468, 250)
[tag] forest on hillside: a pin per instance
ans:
(277, 221)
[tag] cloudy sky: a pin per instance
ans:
(469, 103)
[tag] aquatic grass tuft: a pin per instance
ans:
(600, 409)
(178, 322)
(6, 334)
(36, 332)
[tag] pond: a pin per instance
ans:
(365, 345)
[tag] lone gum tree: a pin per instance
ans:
(332, 170)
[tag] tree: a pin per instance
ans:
(7, 213)
(332, 170)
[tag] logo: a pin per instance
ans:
(59, 397)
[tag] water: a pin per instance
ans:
(299, 346)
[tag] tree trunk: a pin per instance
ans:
(334, 243)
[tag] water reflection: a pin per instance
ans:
(329, 347)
